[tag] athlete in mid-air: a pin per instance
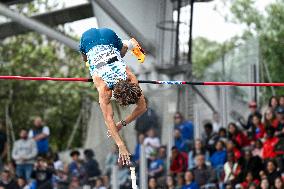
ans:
(103, 50)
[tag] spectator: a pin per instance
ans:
(253, 111)
(151, 142)
(257, 150)
(42, 174)
(218, 158)
(91, 165)
(170, 182)
(141, 138)
(186, 127)
(60, 180)
(270, 119)
(22, 183)
(189, 181)
(111, 159)
(24, 153)
(40, 134)
(216, 122)
(152, 183)
(269, 145)
(106, 181)
(147, 121)
(264, 184)
(7, 181)
(231, 169)
(249, 179)
(271, 172)
(3, 144)
(197, 150)
(273, 103)
(257, 128)
(99, 184)
(179, 161)
(76, 167)
(180, 143)
(180, 181)
(162, 153)
(75, 183)
(280, 120)
(251, 164)
(278, 183)
(231, 147)
(281, 100)
(222, 135)
(209, 137)
(156, 167)
(203, 173)
(237, 136)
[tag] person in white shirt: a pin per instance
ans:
(151, 143)
(24, 153)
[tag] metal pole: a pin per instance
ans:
(177, 33)
(128, 27)
(37, 26)
(189, 55)
(143, 169)
(114, 179)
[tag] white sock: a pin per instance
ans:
(129, 44)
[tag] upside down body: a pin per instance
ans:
(104, 50)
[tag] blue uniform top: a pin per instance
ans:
(102, 47)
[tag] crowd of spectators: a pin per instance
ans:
(243, 154)
(34, 166)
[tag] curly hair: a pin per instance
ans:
(127, 93)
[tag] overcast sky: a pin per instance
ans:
(207, 22)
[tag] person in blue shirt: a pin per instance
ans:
(180, 143)
(103, 50)
(186, 127)
(156, 166)
(189, 181)
(219, 158)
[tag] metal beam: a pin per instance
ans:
(37, 26)
(52, 18)
(128, 27)
(12, 2)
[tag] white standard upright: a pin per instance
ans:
(133, 178)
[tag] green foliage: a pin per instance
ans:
(58, 102)
(206, 52)
(268, 27)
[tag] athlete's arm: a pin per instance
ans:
(104, 100)
(141, 104)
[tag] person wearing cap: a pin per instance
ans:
(253, 111)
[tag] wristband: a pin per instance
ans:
(123, 123)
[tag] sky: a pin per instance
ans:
(207, 22)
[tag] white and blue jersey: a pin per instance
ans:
(102, 47)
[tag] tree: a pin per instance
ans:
(58, 102)
(268, 27)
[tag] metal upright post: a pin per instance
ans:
(114, 179)
(143, 169)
